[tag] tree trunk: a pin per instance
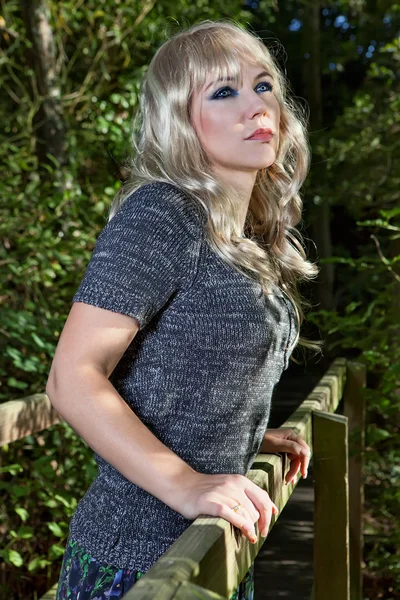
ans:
(49, 120)
(320, 219)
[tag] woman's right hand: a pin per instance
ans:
(218, 494)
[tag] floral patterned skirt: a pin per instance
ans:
(84, 578)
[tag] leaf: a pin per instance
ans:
(20, 490)
(63, 500)
(25, 532)
(376, 434)
(56, 529)
(51, 503)
(56, 551)
(12, 382)
(12, 469)
(15, 558)
(34, 563)
(352, 306)
(38, 341)
(22, 512)
(38, 562)
(99, 207)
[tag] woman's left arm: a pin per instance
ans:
(297, 450)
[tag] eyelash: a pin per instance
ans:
(217, 97)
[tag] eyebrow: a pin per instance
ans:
(262, 74)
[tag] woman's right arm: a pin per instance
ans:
(91, 344)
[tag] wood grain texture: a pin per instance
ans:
(354, 410)
(331, 512)
(175, 590)
(19, 418)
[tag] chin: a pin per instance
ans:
(263, 164)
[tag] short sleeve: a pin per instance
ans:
(145, 254)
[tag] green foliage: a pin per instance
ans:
(42, 490)
(47, 233)
(362, 177)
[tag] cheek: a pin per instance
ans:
(277, 120)
(213, 132)
(208, 124)
(275, 108)
(213, 123)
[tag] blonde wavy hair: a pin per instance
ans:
(167, 149)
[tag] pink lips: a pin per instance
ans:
(263, 135)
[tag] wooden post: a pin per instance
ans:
(354, 410)
(331, 513)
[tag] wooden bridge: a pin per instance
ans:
(321, 526)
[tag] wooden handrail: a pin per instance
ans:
(211, 557)
(19, 418)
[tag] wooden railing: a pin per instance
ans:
(211, 558)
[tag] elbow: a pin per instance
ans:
(51, 387)
(55, 393)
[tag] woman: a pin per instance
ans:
(187, 313)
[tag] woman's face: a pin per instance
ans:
(224, 117)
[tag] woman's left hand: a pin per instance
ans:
(297, 450)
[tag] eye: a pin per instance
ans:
(227, 89)
(266, 84)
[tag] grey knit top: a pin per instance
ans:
(199, 373)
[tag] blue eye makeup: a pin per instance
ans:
(231, 92)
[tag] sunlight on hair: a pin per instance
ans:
(166, 148)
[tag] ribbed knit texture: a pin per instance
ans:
(199, 373)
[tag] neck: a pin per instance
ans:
(243, 183)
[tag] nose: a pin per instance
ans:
(257, 106)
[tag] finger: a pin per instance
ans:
(301, 449)
(305, 448)
(293, 470)
(242, 520)
(305, 457)
(304, 462)
(264, 505)
(250, 508)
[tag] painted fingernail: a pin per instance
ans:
(251, 533)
